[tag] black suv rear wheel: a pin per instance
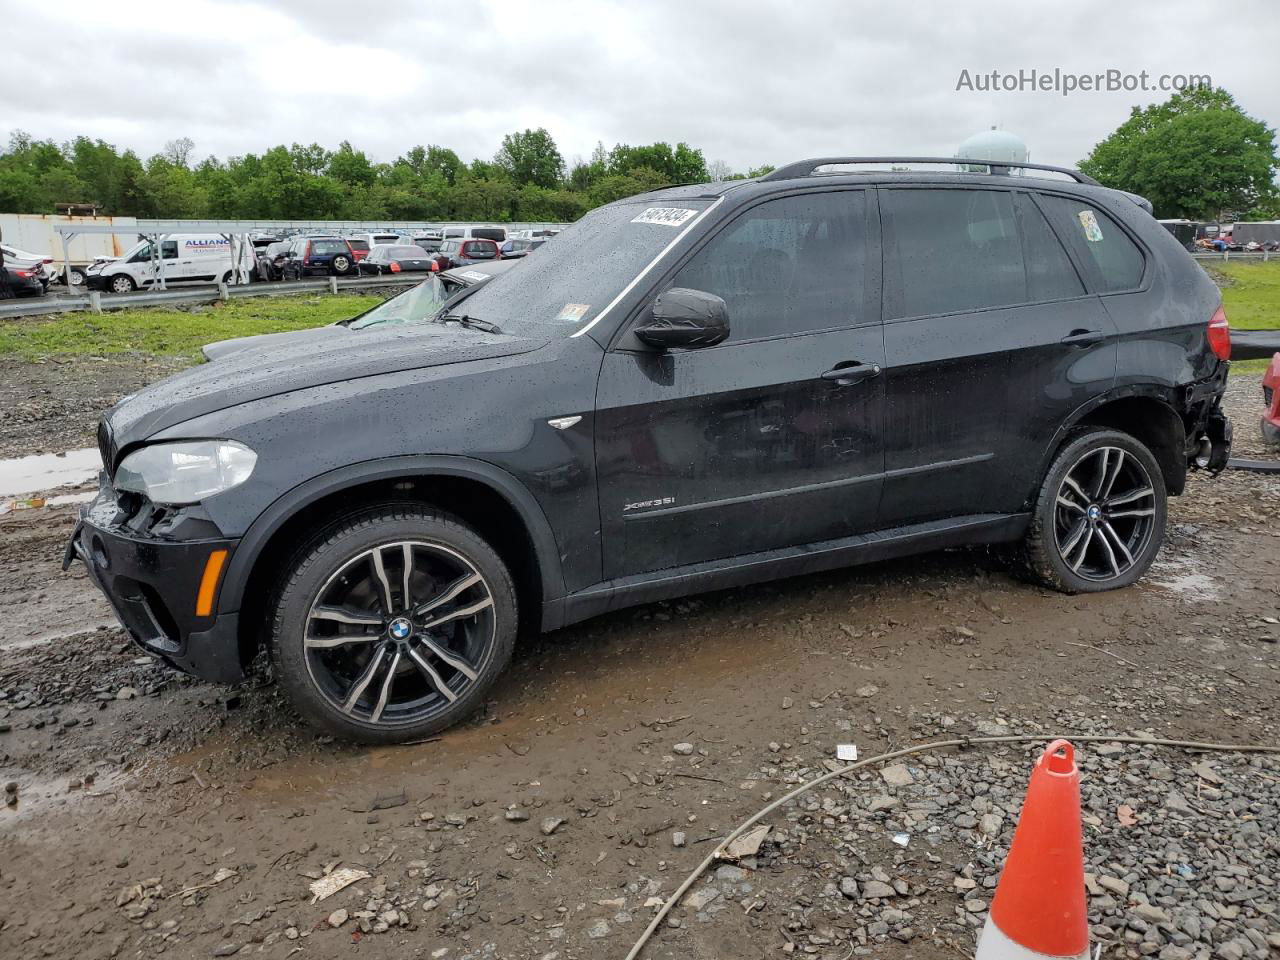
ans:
(1100, 515)
(392, 624)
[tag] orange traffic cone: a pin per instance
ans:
(1039, 907)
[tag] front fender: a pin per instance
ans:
(271, 520)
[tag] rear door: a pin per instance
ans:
(990, 340)
(752, 445)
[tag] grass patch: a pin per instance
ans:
(1252, 297)
(167, 332)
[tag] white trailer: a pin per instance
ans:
(38, 233)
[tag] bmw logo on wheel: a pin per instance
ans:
(400, 629)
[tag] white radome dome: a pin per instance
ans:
(998, 146)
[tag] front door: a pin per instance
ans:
(759, 442)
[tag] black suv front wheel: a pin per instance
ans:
(1100, 515)
(392, 624)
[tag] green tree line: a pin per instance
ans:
(1196, 155)
(528, 179)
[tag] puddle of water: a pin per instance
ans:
(48, 470)
(1184, 578)
(39, 795)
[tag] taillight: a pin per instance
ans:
(435, 266)
(306, 257)
(1220, 335)
(395, 267)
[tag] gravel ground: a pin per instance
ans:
(152, 814)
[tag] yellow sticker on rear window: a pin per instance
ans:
(1089, 221)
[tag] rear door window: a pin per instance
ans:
(951, 251)
(788, 265)
(1050, 274)
(1107, 252)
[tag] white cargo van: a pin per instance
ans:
(480, 233)
(188, 258)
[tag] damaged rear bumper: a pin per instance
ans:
(1209, 430)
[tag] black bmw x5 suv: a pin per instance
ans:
(696, 388)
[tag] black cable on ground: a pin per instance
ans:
(908, 751)
(1254, 466)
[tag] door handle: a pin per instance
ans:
(1083, 338)
(851, 373)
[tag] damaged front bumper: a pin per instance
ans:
(161, 571)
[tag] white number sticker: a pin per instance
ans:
(666, 216)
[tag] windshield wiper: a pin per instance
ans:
(463, 320)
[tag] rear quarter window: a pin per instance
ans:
(1115, 261)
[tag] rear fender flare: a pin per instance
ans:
(271, 520)
(1162, 395)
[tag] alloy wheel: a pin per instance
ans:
(400, 632)
(1105, 514)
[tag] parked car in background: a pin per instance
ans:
(396, 258)
(320, 255)
(359, 248)
(25, 279)
(371, 240)
(41, 263)
(187, 258)
(465, 233)
(457, 253)
(271, 259)
(515, 249)
(540, 233)
(429, 242)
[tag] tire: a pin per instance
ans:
(335, 641)
(1100, 514)
(226, 277)
(341, 265)
(121, 283)
(77, 277)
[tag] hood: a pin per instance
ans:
(328, 355)
(293, 338)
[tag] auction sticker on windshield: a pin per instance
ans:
(667, 216)
(475, 275)
(573, 312)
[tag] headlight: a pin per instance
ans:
(174, 474)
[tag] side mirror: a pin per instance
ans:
(686, 318)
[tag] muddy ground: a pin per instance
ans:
(157, 815)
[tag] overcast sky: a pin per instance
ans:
(747, 82)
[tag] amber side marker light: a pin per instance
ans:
(209, 582)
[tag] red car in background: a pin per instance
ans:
(359, 248)
(1271, 400)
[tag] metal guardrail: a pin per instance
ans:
(1263, 255)
(211, 293)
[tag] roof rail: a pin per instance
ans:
(806, 168)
